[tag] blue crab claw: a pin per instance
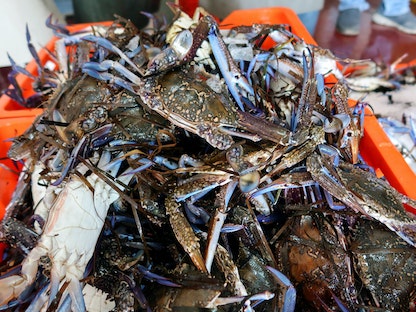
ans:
(290, 292)
(98, 71)
(105, 43)
(359, 110)
(331, 202)
(330, 152)
(109, 64)
(138, 294)
(235, 80)
(195, 214)
(104, 76)
(333, 155)
(58, 29)
(181, 49)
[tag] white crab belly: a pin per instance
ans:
(75, 221)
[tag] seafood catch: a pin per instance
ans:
(185, 167)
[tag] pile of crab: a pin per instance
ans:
(182, 167)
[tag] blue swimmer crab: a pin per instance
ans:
(364, 193)
(338, 260)
(385, 264)
(67, 217)
(186, 95)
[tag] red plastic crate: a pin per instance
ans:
(376, 148)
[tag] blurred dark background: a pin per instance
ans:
(85, 11)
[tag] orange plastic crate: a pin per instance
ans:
(376, 148)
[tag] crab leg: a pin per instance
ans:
(350, 139)
(287, 181)
(290, 292)
(109, 64)
(180, 225)
(269, 71)
(314, 137)
(33, 51)
(184, 233)
(246, 300)
(306, 103)
(80, 148)
(265, 129)
(230, 270)
(217, 223)
(235, 80)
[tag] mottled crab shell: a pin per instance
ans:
(184, 98)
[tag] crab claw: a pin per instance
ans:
(172, 55)
(106, 44)
(58, 29)
(99, 71)
(104, 76)
(184, 233)
(109, 64)
(269, 71)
